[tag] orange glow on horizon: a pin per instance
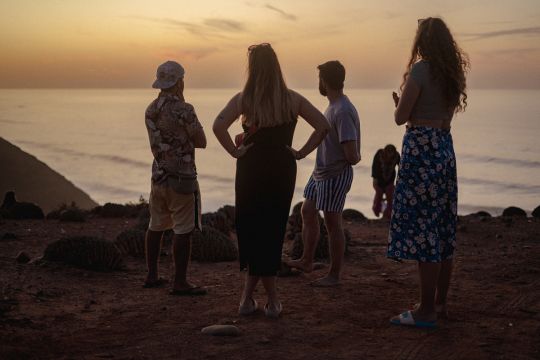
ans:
(120, 43)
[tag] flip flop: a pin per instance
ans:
(155, 284)
(406, 319)
(192, 291)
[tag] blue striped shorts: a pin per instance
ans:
(329, 195)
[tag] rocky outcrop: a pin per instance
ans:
(514, 212)
(85, 252)
(131, 242)
(223, 219)
(294, 232)
(112, 210)
(13, 209)
(353, 215)
(211, 245)
(536, 212)
(34, 181)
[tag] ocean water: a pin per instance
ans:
(97, 139)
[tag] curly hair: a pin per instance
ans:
(447, 61)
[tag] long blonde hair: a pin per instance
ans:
(266, 100)
(448, 63)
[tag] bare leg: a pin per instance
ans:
(181, 256)
(310, 237)
(443, 284)
(377, 201)
(336, 244)
(249, 288)
(152, 249)
(429, 277)
(269, 283)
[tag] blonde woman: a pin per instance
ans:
(265, 168)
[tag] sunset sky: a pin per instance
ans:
(119, 43)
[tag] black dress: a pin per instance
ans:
(265, 181)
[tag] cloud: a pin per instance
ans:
(515, 51)
(225, 25)
(284, 14)
(215, 27)
(521, 52)
(509, 32)
(189, 54)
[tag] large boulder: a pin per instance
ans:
(13, 209)
(131, 242)
(536, 212)
(353, 215)
(514, 212)
(223, 219)
(86, 252)
(322, 251)
(294, 232)
(211, 245)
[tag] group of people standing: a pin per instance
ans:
(422, 207)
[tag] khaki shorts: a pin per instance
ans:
(171, 210)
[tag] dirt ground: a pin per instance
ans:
(59, 312)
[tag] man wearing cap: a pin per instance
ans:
(332, 177)
(174, 132)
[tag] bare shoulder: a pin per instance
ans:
(236, 102)
(296, 100)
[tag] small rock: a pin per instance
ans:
(536, 212)
(264, 340)
(22, 258)
(221, 330)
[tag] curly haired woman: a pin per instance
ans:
(424, 216)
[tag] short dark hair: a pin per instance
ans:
(333, 74)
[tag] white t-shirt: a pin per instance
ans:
(344, 126)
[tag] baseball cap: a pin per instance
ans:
(168, 74)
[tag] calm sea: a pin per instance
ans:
(97, 139)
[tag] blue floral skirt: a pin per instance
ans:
(424, 214)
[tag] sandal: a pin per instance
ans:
(406, 319)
